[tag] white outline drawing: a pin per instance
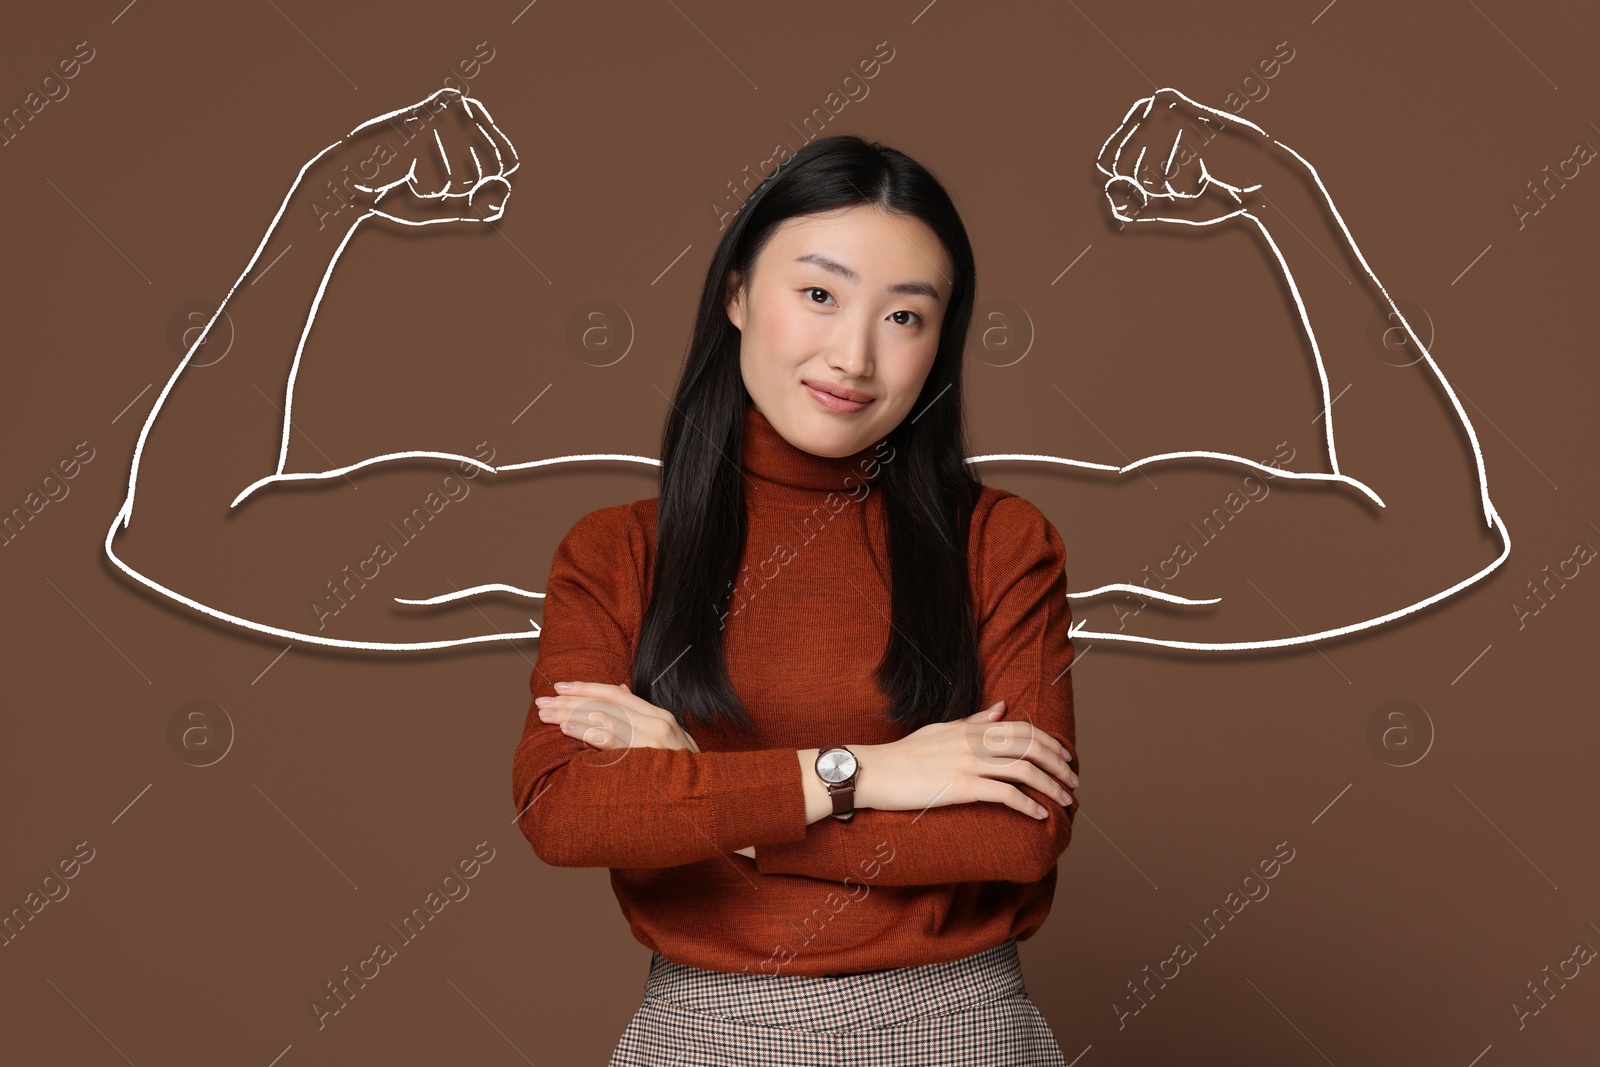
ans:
(406, 186)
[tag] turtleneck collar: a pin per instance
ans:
(781, 473)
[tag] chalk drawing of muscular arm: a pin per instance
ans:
(443, 161)
(217, 517)
(1176, 163)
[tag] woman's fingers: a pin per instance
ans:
(592, 728)
(1030, 774)
(629, 720)
(576, 715)
(613, 728)
(1012, 797)
(1047, 776)
(602, 729)
(993, 711)
(1017, 740)
(619, 694)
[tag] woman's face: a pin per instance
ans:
(851, 301)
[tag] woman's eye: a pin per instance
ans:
(917, 316)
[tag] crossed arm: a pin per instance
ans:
(652, 807)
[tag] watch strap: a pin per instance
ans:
(844, 799)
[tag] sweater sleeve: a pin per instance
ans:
(1025, 647)
(580, 806)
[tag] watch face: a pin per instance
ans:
(836, 765)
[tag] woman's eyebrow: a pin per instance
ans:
(918, 288)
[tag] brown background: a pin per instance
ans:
(220, 900)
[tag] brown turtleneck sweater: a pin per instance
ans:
(805, 629)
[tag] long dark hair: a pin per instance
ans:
(930, 668)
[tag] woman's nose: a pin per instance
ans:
(852, 356)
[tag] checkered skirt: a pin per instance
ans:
(970, 1012)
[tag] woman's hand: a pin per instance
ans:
(610, 716)
(975, 758)
(1175, 160)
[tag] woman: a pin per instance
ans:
(759, 693)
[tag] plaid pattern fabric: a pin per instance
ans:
(971, 1012)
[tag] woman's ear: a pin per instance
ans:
(735, 301)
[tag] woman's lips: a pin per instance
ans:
(835, 403)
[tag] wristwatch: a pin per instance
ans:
(838, 767)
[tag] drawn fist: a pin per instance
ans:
(1175, 160)
(440, 160)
